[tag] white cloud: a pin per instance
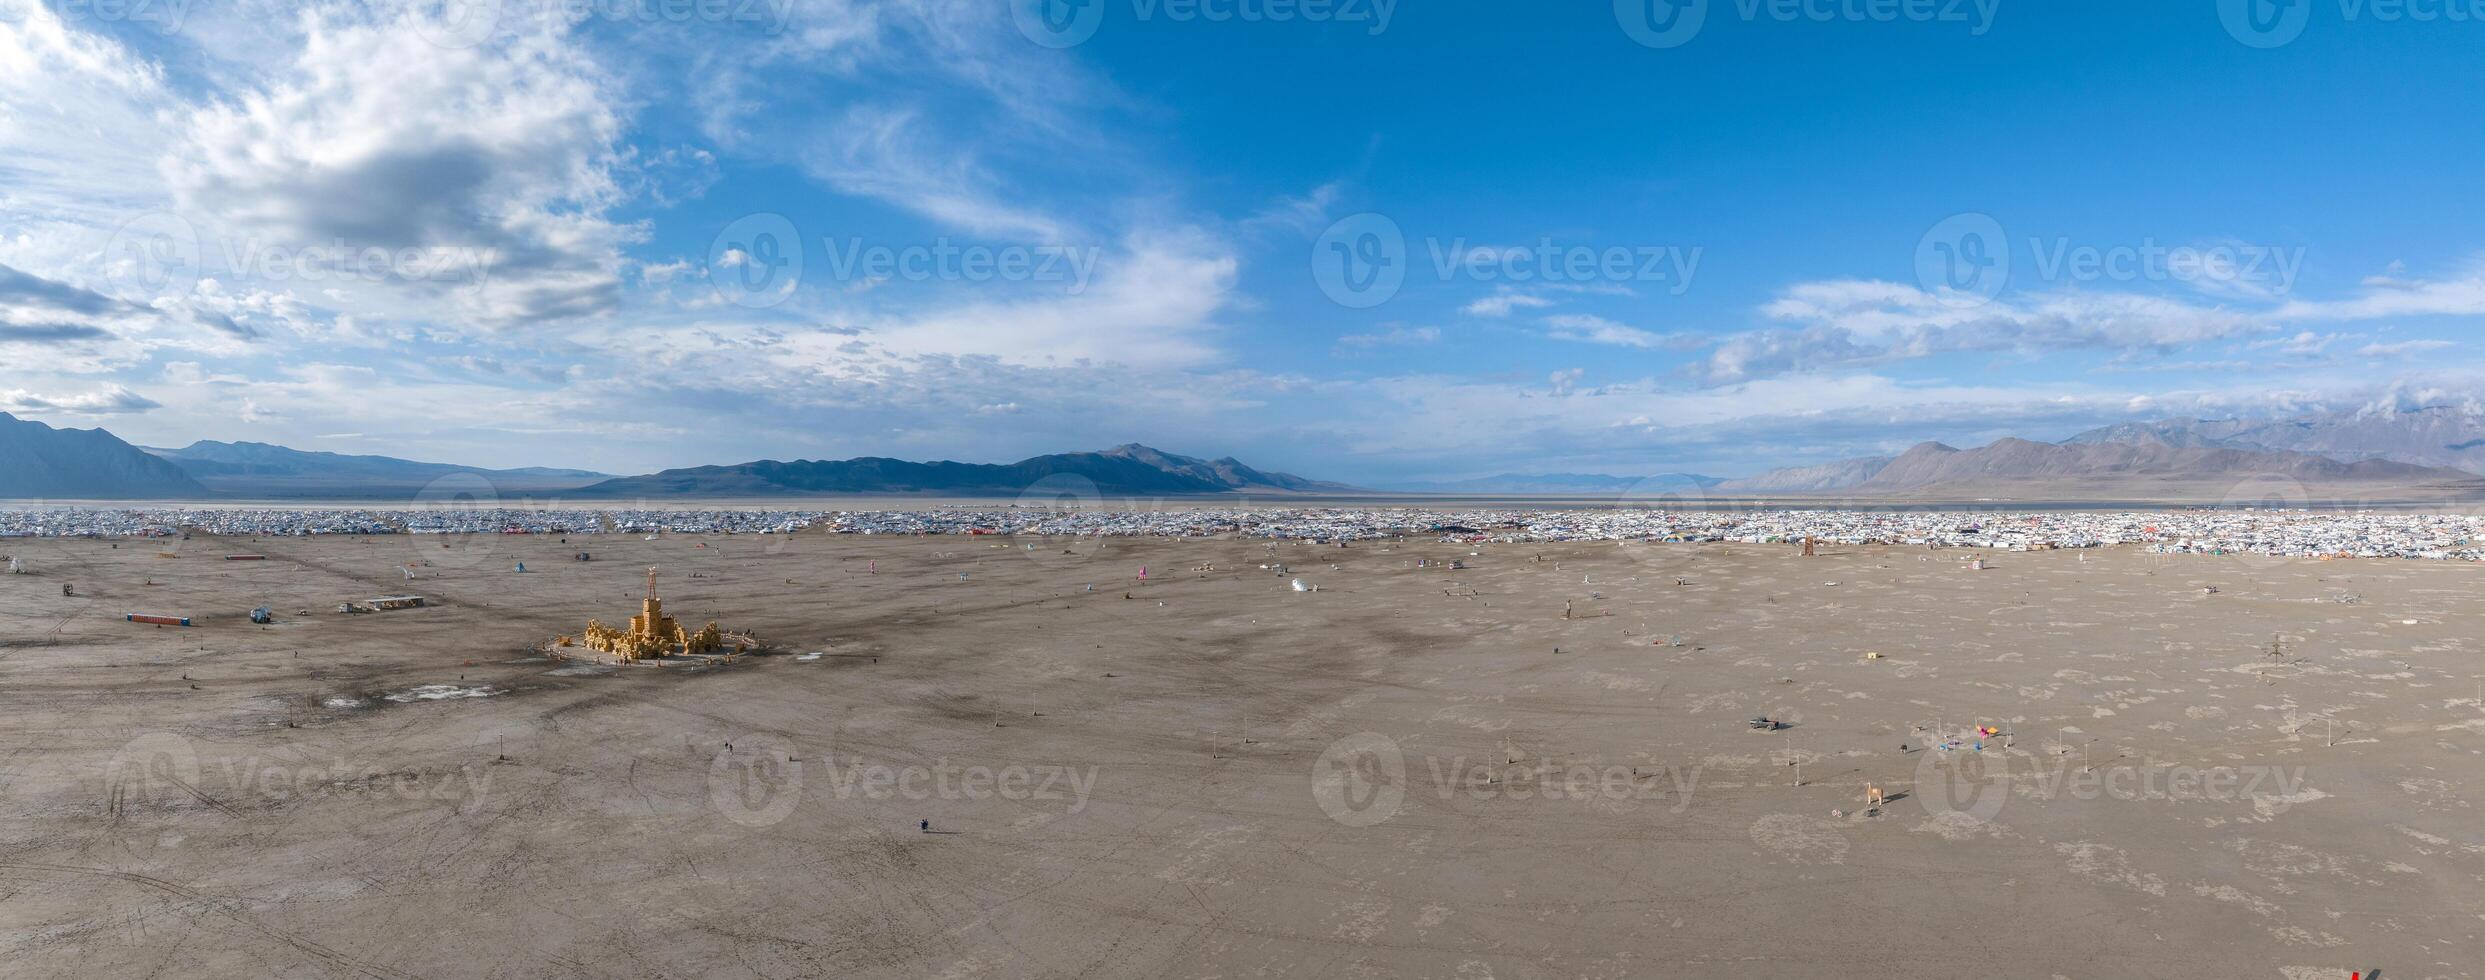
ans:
(1501, 303)
(369, 137)
(107, 400)
(1398, 335)
(1862, 322)
(2394, 296)
(890, 154)
(1598, 330)
(2402, 348)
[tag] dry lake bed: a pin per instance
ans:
(2092, 764)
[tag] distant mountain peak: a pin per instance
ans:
(269, 470)
(37, 460)
(1126, 469)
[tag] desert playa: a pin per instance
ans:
(1014, 756)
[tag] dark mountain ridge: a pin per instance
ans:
(37, 460)
(1126, 470)
(265, 470)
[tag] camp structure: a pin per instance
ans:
(397, 602)
(650, 634)
(159, 620)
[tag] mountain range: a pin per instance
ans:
(2432, 452)
(1124, 470)
(261, 470)
(1571, 484)
(2206, 460)
(38, 461)
(2441, 435)
(2147, 470)
(1822, 478)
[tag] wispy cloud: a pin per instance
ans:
(1588, 329)
(107, 400)
(1398, 335)
(2403, 348)
(1862, 322)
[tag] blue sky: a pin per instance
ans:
(625, 235)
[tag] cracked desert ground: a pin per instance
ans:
(1413, 771)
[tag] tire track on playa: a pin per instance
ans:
(227, 907)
